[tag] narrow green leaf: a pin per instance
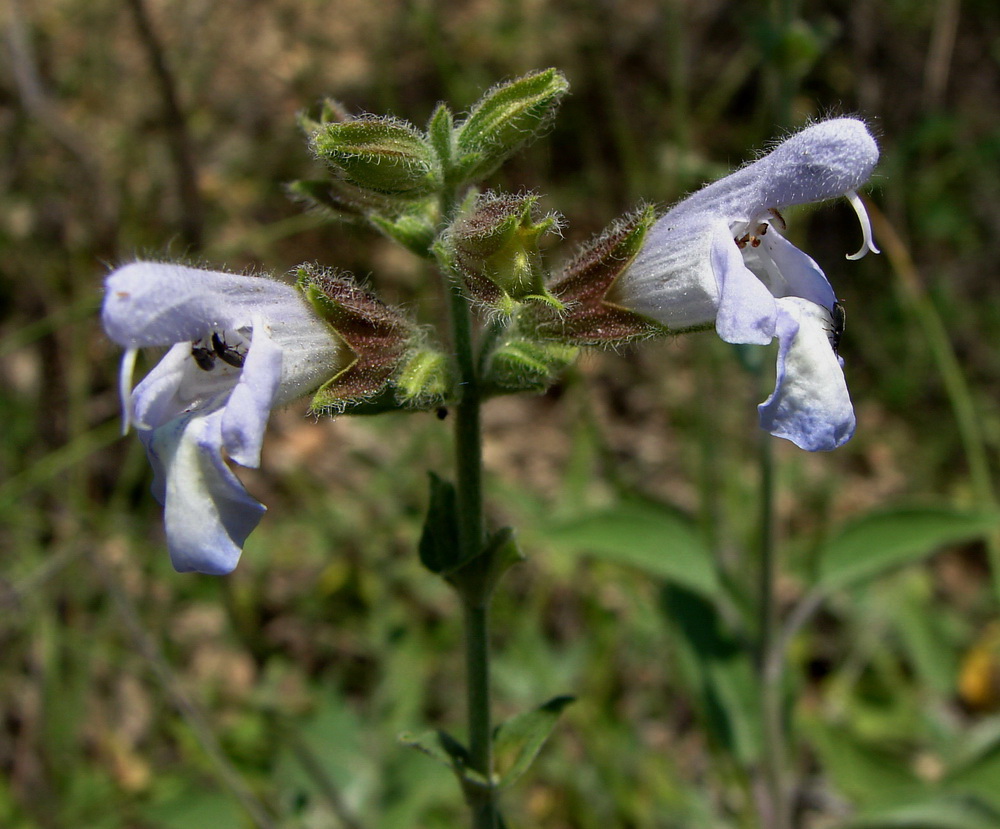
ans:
(441, 133)
(449, 752)
(923, 636)
(439, 548)
(517, 741)
(880, 541)
(979, 775)
(938, 813)
(657, 539)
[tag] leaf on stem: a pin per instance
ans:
(517, 741)
(439, 547)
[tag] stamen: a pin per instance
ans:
(125, 373)
(777, 219)
(868, 243)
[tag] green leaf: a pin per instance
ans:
(441, 133)
(195, 806)
(867, 774)
(923, 636)
(937, 813)
(717, 667)
(439, 547)
(657, 539)
(477, 578)
(438, 745)
(441, 746)
(880, 541)
(979, 774)
(517, 741)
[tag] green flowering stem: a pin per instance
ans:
(477, 660)
(469, 488)
(772, 799)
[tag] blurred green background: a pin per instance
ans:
(131, 696)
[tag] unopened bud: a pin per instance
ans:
(519, 364)
(496, 249)
(381, 155)
(423, 378)
(509, 116)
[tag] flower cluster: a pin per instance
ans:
(238, 346)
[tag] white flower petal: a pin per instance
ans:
(207, 512)
(746, 307)
(801, 275)
(810, 405)
(823, 161)
(148, 303)
(185, 406)
(671, 279)
(250, 402)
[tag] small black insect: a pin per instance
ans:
(442, 412)
(203, 357)
(227, 353)
(839, 317)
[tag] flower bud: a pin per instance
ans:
(380, 155)
(583, 288)
(519, 363)
(495, 249)
(509, 116)
(424, 378)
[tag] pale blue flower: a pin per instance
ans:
(237, 347)
(718, 258)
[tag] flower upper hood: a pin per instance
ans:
(238, 347)
(719, 257)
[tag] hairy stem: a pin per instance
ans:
(469, 485)
(772, 799)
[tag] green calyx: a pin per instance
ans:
(393, 367)
(522, 364)
(495, 247)
(424, 378)
(508, 117)
(585, 290)
(381, 155)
